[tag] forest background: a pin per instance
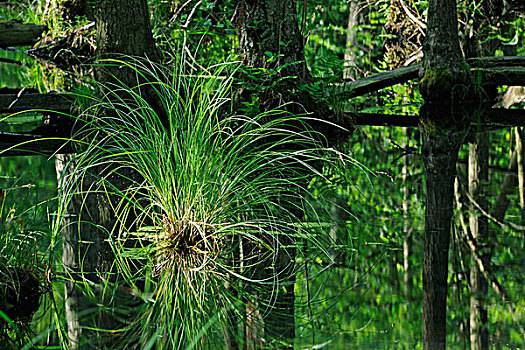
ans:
(368, 284)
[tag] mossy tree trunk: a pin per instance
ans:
(444, 126)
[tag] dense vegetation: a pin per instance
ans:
(227, 192)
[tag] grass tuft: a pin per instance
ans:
(208, 206)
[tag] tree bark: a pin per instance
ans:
(408, 282)
(268, 29)
(270, 39)
(122, 28)
(443, 125)
(440, 152)
(479, 228)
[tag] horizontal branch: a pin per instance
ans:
(18, 102)
(375, 82)
(494, 118)
(501, 117)
(499, 75)
(507, 70)
(509, 61)
(13, 33)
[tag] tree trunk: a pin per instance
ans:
(408, 281)
(269, 38)
(520, 153)
(270, 28)
(440, 169)
(80, 257)
(479, 46)
(479, 228)
(349, 64)
(443, 125)
(122, 28)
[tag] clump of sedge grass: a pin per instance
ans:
(210, 216)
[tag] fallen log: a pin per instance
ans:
(487, 71)
(499, 75)
(13, 33)
(22, 101)
(508, 61)
(494, 118)
(376, 81)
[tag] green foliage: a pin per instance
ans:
(24, 244)
(205, 28)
